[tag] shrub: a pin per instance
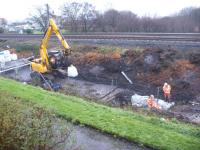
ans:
(1, 30)
(28, 31)
(27, 47)
(26, 127)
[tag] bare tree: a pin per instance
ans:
(41, 17)
(195, 14)
(147, 24)
(88, 13)
(84, 17)
(3, 22)
(111, 19)
(71, 14)
(127, 22)
(99, 23)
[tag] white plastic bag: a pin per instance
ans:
(2, 59)
(13, 56)
(6, 52)
(139, 101)
(7, 57)
(72, 71)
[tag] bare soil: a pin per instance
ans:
(148, 70)
(100, 77)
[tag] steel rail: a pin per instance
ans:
(140, 36)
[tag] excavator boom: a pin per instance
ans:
(42, 64)
(52, 64)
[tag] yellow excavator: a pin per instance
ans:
(51, 64)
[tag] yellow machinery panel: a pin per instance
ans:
(38, 67)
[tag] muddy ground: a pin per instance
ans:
(147, 63)
(148, 70)
(100, 77)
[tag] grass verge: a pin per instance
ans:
(149, 131)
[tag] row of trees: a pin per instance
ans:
(3, 23)
(83, 17)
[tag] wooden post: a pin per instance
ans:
(158, 92)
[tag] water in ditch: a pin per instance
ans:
(90, 139)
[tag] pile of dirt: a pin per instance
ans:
(148, 70)
(179, 72)
(89, 58)
(195, 58)
(94, 58)
(155, 60)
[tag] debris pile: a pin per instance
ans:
(141, 101)
(142, 72)
(6, 56)
(90, 58)
(147, 70)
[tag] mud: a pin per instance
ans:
(110, 94)
(188, 112)
(100, 77)
(148, 71)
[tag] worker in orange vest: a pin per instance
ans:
(167, 91)
(152, 103)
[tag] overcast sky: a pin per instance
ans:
(14, 10)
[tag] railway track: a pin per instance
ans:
(193, 37)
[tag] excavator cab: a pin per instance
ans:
(58, 60)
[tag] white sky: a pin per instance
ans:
(14, 10)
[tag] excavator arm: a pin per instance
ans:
(43, 46)
(53, 63)
(42, 64)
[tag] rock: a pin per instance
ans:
(195, 58)
(149, 59)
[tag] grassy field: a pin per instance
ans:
(145, 130)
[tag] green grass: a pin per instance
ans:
(146, 130)
(25, 47)
(76, 47)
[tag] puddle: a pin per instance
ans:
(90, 139)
